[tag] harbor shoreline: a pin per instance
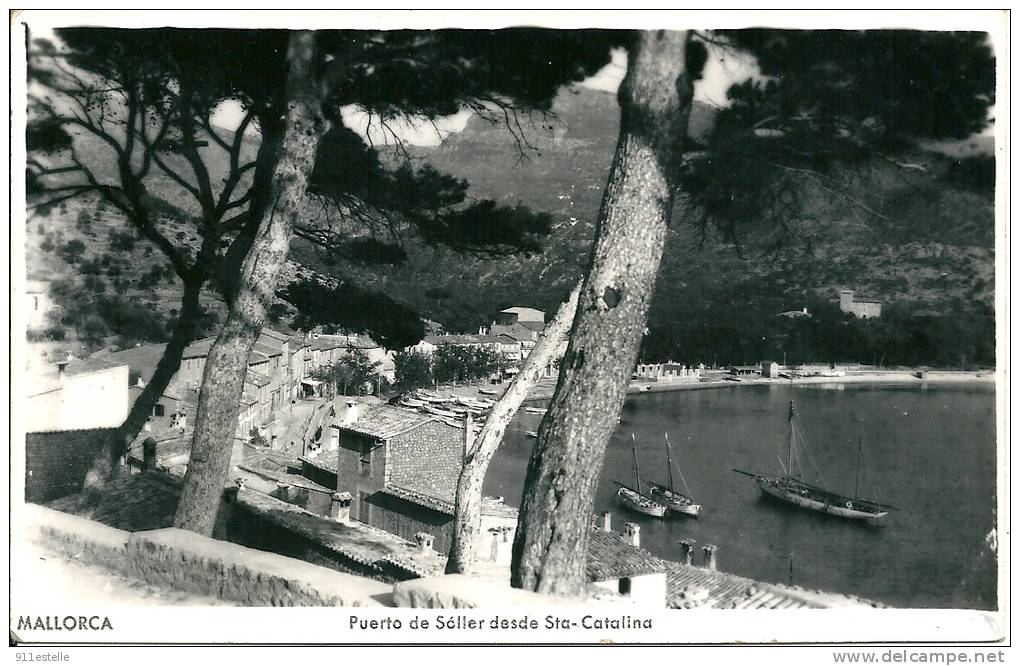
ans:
(543, 391)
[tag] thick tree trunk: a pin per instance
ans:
(105, 462)
(551, 544)
(227, 362)
(468, 516)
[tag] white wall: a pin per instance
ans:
(647, 590)
(93, 400)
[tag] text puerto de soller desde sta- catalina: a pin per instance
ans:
(500, 622)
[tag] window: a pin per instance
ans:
(158, 409)
(624, 587)
(35, 299)
(365, 459)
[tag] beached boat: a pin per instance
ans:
(441, 412)
(675, 501)
(791, 488)
(487, 391)
(412, 402)
(633, 499)
(531, 433)
(536, 410)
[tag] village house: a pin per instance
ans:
(618, 564)
(862, 309)
(401, 467)
(521, 324)
(673, 373)
(268, 384)
(39, 304)
(77, 394)
(504, 345)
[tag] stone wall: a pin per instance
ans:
(56, 462)
(427, 459)
(189, 562)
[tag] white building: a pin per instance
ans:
(78, 395)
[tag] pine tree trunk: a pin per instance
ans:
(550, 548)
(468, 515)
(227, 362)
(104, 465)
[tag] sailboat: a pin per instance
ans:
(794, 490)
(633, 498)
(674, 500)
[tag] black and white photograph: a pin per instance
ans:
(510, 327)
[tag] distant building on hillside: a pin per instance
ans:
(795, 314)
(39, 304)
(862, 309)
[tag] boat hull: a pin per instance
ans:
(675, 502)
(638, 503)
(846, 508)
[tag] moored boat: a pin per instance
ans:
(789, 487)
(633, 499)
(675, 501)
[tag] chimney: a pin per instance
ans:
(710, 561)
(632, 533)
(239, 482)
(351, 413)
(607, 521)
(147, 426)
(282, 491)
(687, 551)
(502, 545)
(62, 368)
(149, 453)
(340, 507)
(805, 311)
(424, 540)
(140, 383)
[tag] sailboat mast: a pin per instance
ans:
(857, 486)
(633, 448)
(789, 455)
(669, 462)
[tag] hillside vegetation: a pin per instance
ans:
(923, 243)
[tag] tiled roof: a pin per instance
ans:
(699, 587)
(467, 339)
(526, 312)
(142, 359)
(361, 543)
(609, 557)
(266, 350)
(275, 335)
(282, 468)
(198, 348)
(256, 378)
(442, 505)
(536, 326)
(383, 421)
(137, 502)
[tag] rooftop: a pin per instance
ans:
(384, 421)
(362, 543)
(522, 313)
(141, 360)
(609, 557)
(135, 502)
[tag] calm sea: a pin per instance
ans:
(928, 451)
